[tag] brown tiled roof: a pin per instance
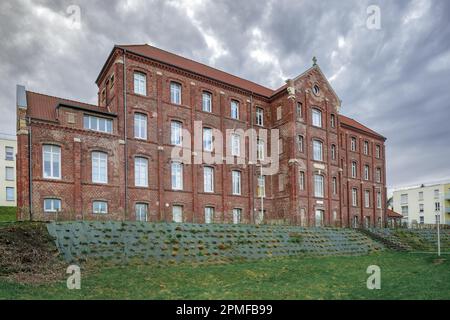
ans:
(393, 214)
(43, 107)
(196, 67)
(355, 124)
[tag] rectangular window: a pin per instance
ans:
(52, 205)
(9, 174)
(317, 150)
(207, 139)
(404, 199)
(318, 186)
(140, 83)
(177, 176)
(235, 145)
(421, 196)
(436, 194)
(333, 152)
(300, 143)
(140, 172)
(52, 162)
(100, 207)
(236, 182)
(140, 126)
(354, 169)
(279, 113)
(367, 199)
(354, 197)
(378, 175)
(405, 211)
(209, 214)
(175, 93)
(259, 149)
(176, 133)
(379, 200)
(97, 124)
(299, 110)
(177, 214)
(302, 180)
(141, 211)
(353, 144)
(333, 121)
(378, 151)
(234, 109)
(422, 219)
(421, 208)
(316, 118)
(366, 172)
(366, 147)
(437, 206)
(237, 213)
(208, 179)
(261, 187)
(334, 181)
(206, 102)
(99, 167)
(259, 116)
(9, 153)
(9, 194)
(281, 182)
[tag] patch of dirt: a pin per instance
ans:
(28, 254)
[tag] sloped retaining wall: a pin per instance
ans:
(120, 242)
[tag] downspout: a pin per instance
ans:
(252, 193)
(125, 131)
(30, 176)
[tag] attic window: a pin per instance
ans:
(316, 89)
(111, 81)
(103, 94)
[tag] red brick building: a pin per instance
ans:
(113, 160)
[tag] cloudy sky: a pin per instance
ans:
(395, 78)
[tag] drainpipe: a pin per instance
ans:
(30, 176)
(252, 193)
(125, 131)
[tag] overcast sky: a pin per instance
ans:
(395, 79)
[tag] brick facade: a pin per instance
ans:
(49, 120)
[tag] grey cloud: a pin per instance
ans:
(394, 80)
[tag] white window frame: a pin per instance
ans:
(319, 186)
(316, 118)
(301, 143)
(353, 144)
(333, 152)
(209, 215)
(261, 187)
(141, 211)
(354, 197)
(94, 123)
(259, 116)
(334, 185)
(366, 198)
(235, 144)
(366, 172)
(176, 133)
(317, 150)
(140, 172)
(10, 194)
(177, 175)
(54, 152)
(140, 83)
(177, 214)
(9, 153)
(378, 151)
(52, 207)
(236, 182)
(175, 92)
(234, 109)
(404, 198)
(99, 161)
(208, 139)
(208, 179)
(354, 169)
(379, 200)
(99, 207)
(302, 180)
(206, 101)
(260, 149)
(366, 147)
(9, 174)
(140, 126)
(237, 215)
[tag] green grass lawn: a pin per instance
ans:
(7, 214)
(403, 276)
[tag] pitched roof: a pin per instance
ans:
(355, 124)
(196, 67)
(393, 214)
(43, 107)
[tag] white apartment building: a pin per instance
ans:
(423, 204)
(8, 181)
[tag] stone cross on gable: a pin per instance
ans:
(314, 59)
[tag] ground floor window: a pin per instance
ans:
(319, 218)
(52, 205)
(9, 194)
(177, 214)
(259, 217)
(237, 213)
(100, 207)
(355, 222)
(209, 214)
(141, 211)
(367, 222)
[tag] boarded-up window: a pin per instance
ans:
(70, 117)
(281, 182)
(279, 110)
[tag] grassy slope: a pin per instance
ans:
(403, 276)
(7, 214)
